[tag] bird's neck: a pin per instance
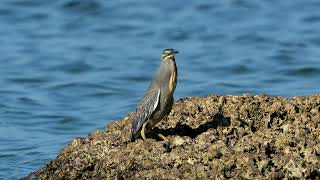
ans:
(169, 72)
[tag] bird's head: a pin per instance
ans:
(169, 54)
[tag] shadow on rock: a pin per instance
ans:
(185, 130)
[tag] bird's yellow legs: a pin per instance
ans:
(143, 135)
(142, 131)
(163, 137)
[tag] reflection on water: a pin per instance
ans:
(68, 66)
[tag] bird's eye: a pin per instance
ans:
(165, 53)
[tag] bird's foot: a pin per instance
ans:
(163, 138)
(167, 144)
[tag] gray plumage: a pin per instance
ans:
(158, 99)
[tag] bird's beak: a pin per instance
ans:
(172, 54)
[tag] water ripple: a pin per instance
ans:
(82, 6)
(304, 72)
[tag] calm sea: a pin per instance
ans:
(68, 67)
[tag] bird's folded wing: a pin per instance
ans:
(146, 107)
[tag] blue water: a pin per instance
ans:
(69, 67)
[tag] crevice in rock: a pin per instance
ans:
(314, 174)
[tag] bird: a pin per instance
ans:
(158, 99)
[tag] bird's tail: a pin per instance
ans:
(134, 130)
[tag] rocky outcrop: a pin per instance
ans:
(252, 137)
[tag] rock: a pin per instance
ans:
(246, 136)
